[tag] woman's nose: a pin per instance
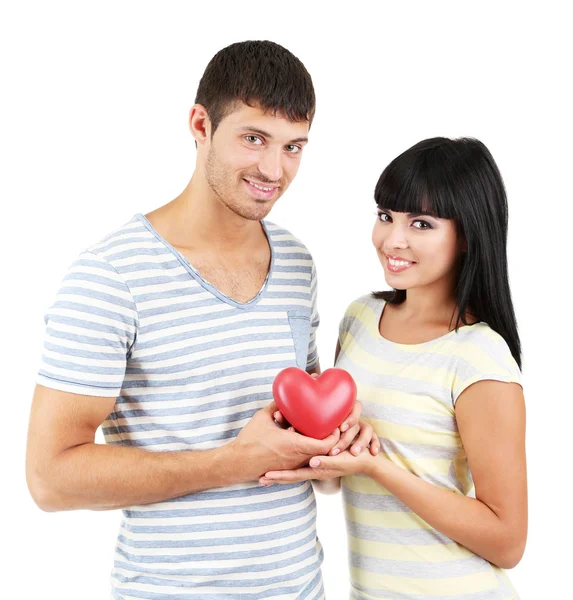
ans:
(397, 237)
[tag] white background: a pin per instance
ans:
(93, 128)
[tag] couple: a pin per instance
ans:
(169, 333)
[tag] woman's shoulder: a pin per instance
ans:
(360, 313)
(480, 336)
(482, 353)
(365, 302)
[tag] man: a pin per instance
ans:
(169, 334)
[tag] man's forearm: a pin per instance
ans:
(102, 477)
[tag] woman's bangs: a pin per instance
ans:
(411, 190)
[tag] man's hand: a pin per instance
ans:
(324, 468)
(263, 445)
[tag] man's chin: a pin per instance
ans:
(254, 210)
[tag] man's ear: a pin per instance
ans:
(199, 124)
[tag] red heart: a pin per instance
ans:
(314, 407)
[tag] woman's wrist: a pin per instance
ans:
(369, 464)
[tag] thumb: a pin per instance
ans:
(320, 462)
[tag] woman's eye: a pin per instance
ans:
(253, 139)
(421, 224)
(384, 217)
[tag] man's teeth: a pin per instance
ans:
(260, 187)
(398, 263)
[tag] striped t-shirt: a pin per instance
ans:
(409, 393)
(189, 367)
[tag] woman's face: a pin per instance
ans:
(416, 250)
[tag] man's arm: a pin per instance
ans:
(67, 470)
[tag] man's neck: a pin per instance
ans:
(198, 220)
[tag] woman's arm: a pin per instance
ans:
(491, 422)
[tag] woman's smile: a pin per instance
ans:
(396, 264)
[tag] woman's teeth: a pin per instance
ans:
(398, 263)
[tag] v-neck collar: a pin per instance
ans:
(197, 276)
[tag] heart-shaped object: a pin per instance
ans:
(314, 407)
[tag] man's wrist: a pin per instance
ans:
(237, 463)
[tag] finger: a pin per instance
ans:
(272, 407)
(345, 440)
(330, 441)
(363, 439)
(314, 375)
(353, 418)
(312, 447)
(292, 476)
(375, 444)
(279, 417)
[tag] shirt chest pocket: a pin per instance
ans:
(300, 330)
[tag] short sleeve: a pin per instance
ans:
(348, 323)
(90, 330)
(312, 357)
(485, 355)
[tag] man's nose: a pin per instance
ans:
(270, 165)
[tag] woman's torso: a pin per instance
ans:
(409, 394)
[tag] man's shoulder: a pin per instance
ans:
(130, 236)
(280, 237)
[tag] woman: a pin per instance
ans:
(442, 509)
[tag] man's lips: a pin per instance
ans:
(261, 191)
(265, 187)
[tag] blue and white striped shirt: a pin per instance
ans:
(189, 367)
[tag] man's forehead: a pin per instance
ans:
(275, 124)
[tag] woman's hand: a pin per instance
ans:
(324, 467)
(354, 432)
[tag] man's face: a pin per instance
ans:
(252, 159)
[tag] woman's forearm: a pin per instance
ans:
(465, 520)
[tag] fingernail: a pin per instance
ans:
(336, 451)
(376, 450)
(314, 462)
(344, 427)
(357, 449)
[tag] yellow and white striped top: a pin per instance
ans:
(409, 393)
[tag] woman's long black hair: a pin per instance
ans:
(458, 179)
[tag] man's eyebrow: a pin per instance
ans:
(267, 135)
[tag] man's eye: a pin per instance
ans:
(293, 149)
(253, 139)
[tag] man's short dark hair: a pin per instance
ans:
(257, 73)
